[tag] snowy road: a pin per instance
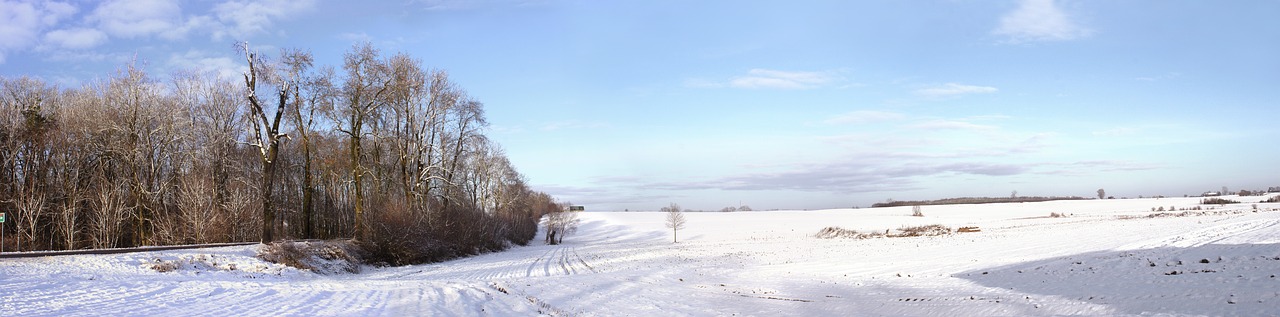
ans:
(1106, 259)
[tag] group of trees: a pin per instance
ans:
(380, 145)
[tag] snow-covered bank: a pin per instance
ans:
(1106, 258)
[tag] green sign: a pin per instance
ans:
(1, 217)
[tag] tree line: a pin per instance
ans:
(972, 200)
(380, 149)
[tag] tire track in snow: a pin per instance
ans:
(1207, 235)
(584, 262)
(529, 272)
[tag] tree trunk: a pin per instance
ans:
(308, 225)
(357, 180)
(268, 217)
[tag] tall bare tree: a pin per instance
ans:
(363, 96)
(266, 131)
(314, 94)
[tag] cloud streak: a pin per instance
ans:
(954, 89)
(770, 79)
(865, 116)
(951, 125)
(1038, 21)
(776, 79)
(78, 38)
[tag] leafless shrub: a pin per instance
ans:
(922, 231)
(163, 266)
(560, 224)
(1057, 215)
(400, 237)
(911, 231)
(915, 211)
(325, 257)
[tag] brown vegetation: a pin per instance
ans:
(388, 151)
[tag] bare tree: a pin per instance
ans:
(31, 206)
(315, 94)
(109, 211)
(362, 97)
(1102, 193)
(127, 161)
(266, 132)
(560, 224)
(675, 220)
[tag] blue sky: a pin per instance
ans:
(773, 104)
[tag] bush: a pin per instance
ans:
(400, 236)
(916, 231)
(1057, 215)
(922, 231)
(324, 257)
(837, 232)
(915, 211)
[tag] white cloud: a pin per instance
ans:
(22, 22)
(355, 37)
(244, 18)
(1039, 20)
(458, 5)
(140, 18)
(954, 89)
(864, 116)
(777, 79)
(770, 79)
(77, 38)
(224, 67)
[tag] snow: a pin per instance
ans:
(1107, 258)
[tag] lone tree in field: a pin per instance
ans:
(675, 220)
(560, 224)
(1101, 193)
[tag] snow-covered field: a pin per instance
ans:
(1106, 258)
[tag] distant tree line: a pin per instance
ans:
(971, 200)
(380, 149)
